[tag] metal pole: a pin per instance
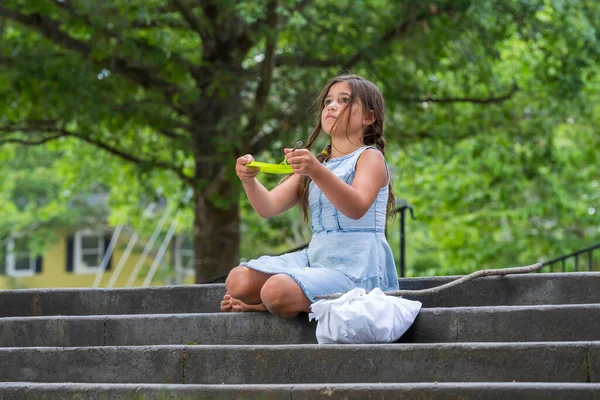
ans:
(402, 207)
(402, 244)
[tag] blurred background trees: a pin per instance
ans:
(492, 116)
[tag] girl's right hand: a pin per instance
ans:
(246, 174)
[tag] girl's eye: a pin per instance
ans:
(345, 100)
(327, 102)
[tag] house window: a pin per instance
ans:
(88, 252)
(19, 259)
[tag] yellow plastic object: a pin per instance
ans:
(271, 168)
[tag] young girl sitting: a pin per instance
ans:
(347, 189)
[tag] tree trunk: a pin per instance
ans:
(216, 194)
(216, 236)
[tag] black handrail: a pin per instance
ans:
(575, 255)
(402, 209)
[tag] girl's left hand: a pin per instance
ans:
(302, 161)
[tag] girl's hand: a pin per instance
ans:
(246, 174)
(302, 161)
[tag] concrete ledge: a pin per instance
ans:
(434, 325)
(407, 391)
(151, 329)
(524, 289)
(575, 362)
(529, 289)
(577, 322)
(87, 301)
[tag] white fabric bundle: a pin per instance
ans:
(358, 317)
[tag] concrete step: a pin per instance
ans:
(406, 391)
(529, 289)
(577, 362)
(460, 324)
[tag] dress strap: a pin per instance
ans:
(358, 154)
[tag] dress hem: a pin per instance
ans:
(304, 290)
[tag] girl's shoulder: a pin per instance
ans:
(370, 155)
(373, 164)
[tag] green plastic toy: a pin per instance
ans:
(281, 168)
(271, 168)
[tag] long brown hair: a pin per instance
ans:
(371, 99)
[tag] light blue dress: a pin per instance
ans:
(343, 253)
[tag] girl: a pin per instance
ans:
(348, 191)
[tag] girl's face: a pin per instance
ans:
(335, 112)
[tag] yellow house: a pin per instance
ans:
(88, 258)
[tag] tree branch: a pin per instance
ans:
(246, 41)
(287, 123)
(476, 100)
(266, 76)
(460, 281)
(282, 20)
(395, 32)
(126, 109)
(194, 22)
(259, 145)
(68, 7)
(46, 127)
(130, 157)
(31, 142)
(50, 29)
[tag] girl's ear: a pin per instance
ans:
(370, 118)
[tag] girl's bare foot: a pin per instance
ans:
(230, 304)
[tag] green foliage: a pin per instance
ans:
(491, 113)
(36, 202)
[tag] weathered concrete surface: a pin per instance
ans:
(406, 391)
(461, 324)
(92, 364)
(575, 322)
(86, 301)
(529, 289)
(525, 289)
(52, 331)
(291, 364)
(150, 329)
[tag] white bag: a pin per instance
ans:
(358, 317)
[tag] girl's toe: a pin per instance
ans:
(226, 305)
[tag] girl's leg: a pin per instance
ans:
(282, 296)
(243, 286)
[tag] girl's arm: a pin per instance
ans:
(267, 203)
(352, 201)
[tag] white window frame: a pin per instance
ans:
(11, 261)
(78, 252)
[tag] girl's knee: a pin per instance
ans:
(271, 293)
(278, 295)
(238, 283)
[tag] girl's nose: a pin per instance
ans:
(332, 106)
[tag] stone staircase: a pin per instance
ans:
(534, 336)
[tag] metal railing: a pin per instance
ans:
(575, 257)
(402, 210)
